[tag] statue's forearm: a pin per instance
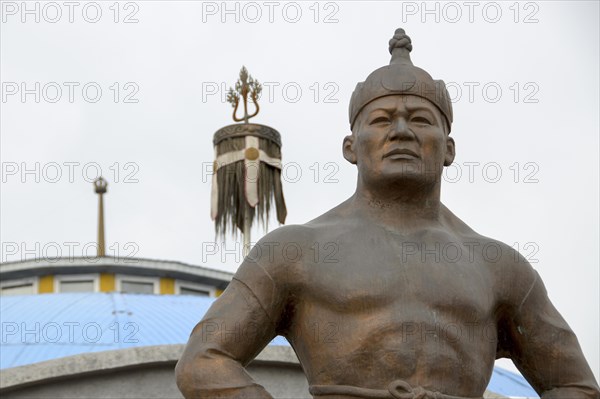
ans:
(233, 331)
(580, 392)
(546, 350)
(251, 392)
(254, 392)
(214, 375)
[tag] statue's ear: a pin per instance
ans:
(348, 149)
(450, 151)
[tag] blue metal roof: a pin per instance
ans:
(49, 326)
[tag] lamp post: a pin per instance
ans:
(100, 187)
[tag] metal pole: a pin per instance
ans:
(100, 187)
(101, 249)
(247, 225)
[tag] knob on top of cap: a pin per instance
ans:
(400, 48)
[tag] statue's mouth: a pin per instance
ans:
(401, 153)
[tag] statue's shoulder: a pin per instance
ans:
(503, 261)
(280, 253)
(339, 218)
(292, 234)
(456, 225)
(511, 276)
(282, 249)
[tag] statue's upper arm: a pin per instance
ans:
(534, 334)
(267, 270)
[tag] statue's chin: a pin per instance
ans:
(405, 180)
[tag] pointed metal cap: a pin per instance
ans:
(400, 77)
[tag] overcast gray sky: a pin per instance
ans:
(137, 89)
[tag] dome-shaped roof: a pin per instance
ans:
(48, 326)
(36, 328)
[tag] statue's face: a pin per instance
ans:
(399, 138)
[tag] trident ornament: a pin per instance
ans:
(245, 85)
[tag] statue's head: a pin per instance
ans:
(400, 119)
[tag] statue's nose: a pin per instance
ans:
(400, 130)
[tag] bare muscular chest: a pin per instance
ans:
(391, 302)
(399, 272)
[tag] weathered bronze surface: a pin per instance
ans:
(389, 294)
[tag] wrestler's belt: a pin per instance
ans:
(397, 389)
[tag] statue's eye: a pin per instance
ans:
(380, 119)
(421, 120)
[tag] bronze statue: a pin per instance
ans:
(389, 294)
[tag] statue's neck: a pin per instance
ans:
(401, 207)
